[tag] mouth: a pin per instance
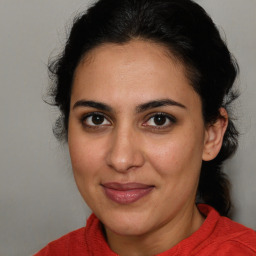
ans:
(126, 193)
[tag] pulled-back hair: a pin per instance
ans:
(190, 35)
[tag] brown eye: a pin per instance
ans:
(95, 119)
(160, 120)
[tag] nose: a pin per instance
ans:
(125, 152)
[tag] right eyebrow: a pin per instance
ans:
(93, 104)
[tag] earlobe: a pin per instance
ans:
(214, 134)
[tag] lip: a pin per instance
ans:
(126, 193)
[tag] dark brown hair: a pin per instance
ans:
(191, 36)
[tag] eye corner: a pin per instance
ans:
(95, 120)
(164, 121)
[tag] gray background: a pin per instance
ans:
(38, 198)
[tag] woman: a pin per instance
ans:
(143, 87)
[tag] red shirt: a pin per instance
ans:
(217, 236)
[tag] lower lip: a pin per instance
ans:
(126, 196)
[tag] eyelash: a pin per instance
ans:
(94, 114)
(168, 118)
(171, 119)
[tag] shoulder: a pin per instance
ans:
(236, 247)
(88, 240)
(228, 238)
(236, 238)
(71, 241)
(238, 244)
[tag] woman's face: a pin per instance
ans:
(136, 137)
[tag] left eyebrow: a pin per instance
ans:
(158, 103)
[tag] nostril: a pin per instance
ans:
(121, 163)
(123, 160)
(125, 151)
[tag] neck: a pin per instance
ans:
(159, 240)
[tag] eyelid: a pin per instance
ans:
(90, 114)
(171, 118)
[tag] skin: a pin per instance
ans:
(127, 145)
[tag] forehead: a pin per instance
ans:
(139, 52)
(137, 70)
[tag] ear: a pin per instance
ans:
(214, 134)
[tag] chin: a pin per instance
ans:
(128, 230)
(127, 224)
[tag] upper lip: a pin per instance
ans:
(126, 186)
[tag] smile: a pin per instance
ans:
(126, 193)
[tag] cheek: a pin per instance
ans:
(179, 155)
(85, 159)
(85, 156)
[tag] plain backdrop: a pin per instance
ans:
(39, 201)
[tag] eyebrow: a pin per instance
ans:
(140, 108)
(93, 104)
(158, 103)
